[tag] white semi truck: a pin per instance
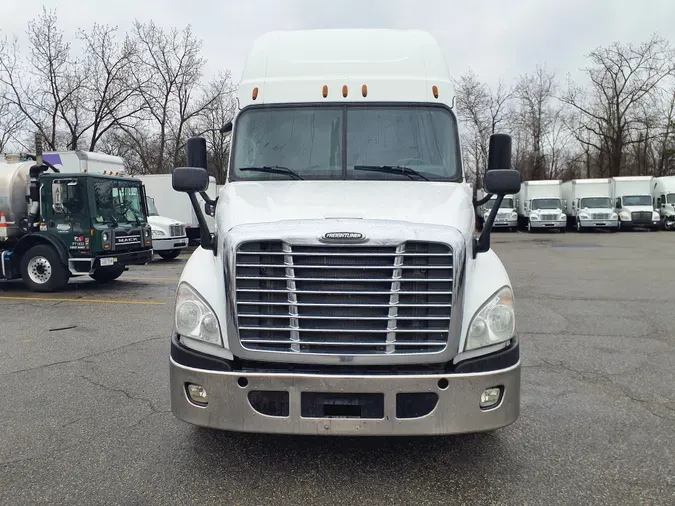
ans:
(343, 290)
(633, 201)
(507, 215)
(588, 204)
(540, 205)
(663, 193)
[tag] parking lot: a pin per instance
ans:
(85, 415)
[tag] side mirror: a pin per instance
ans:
(499, 156)
(190, 179)
(502, 181)
(564, 203)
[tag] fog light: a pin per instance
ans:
(490, 397)
(197, 394)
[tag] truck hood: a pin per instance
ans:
(632, 209)
(162, 222)
(410, 201)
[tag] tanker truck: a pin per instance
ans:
(55, 225)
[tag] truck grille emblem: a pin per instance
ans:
(350, 237)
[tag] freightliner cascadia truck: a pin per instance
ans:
(344, 290)
(59, 223)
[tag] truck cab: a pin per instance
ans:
(169, 236)
(540, 205)
(344, 291)
(663, 194)
(589, 204)
(507, 215)
(634, 203)
(63, 224)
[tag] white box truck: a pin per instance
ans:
(540, 205)
(507, 215)
(344, 291)
(588, 204)
(174, 205)
(86, 161)
(633, 201)
(663, 193)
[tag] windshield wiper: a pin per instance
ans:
(274, 169)
(393, 169)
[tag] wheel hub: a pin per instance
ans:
(39, 270)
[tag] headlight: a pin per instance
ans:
(534, 217)
(194, 318)
(583, 216)
(495, 321)
(614, 216)
(655, 216)
(157, 233)
(104, 237)
(514, 215)
(563, 216)
(625, 215)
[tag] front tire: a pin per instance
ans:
(169, 254)
(529, 227)
(107, 274)
(42, 269)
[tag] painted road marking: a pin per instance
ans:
(89, 301)
(146, 278)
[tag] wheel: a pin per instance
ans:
(529, 227)
(42, 269)
(579, 226)
(105, 274)
(669, 225)
(169, 254)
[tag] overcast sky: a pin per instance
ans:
(494, 38)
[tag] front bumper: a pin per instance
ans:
(654, 224)
(548, 224)
(169, 243)
(505, 223)
(306, 403)
(599, 223)
(140, 257)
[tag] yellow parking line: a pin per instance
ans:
(91, 301)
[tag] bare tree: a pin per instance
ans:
(535, 95)
(621, 77)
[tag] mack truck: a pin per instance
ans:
(343, 290)
(663, 193)
(588, 204)
(540, 205)
(507, 215)
(59, 223)
(633, 201)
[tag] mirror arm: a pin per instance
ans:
(482, 201)
(207, 199)
(206, 238)
(482, 243)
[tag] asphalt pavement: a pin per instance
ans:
(85, 415)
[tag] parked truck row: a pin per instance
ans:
(617, 203)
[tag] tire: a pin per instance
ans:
(579, 229)
(107, 274)
(42, 269)
(171, 254)
(529, 227)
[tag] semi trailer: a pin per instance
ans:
(59, 223)
(344, 290)
(633, 201)
(540, 205)
(588, 204)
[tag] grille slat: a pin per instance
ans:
(344, 299)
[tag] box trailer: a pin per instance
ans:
(663, 194)
(540, 205)
(588, 204)
(632, 197)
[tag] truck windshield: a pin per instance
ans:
(507, 203)
(152, 209)
(340, 142)
(119, 201)
(546, 204)
(596, 202)
(637, 200)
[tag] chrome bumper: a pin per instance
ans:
(505, 223)
(457, 409)
(548, 224)
(599, 223)
(169, 243)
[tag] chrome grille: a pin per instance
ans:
(549, 217)
(177, 230)
(344, 299)
(600, 216)
(641, 217)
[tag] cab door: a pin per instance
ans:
(66, 213)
